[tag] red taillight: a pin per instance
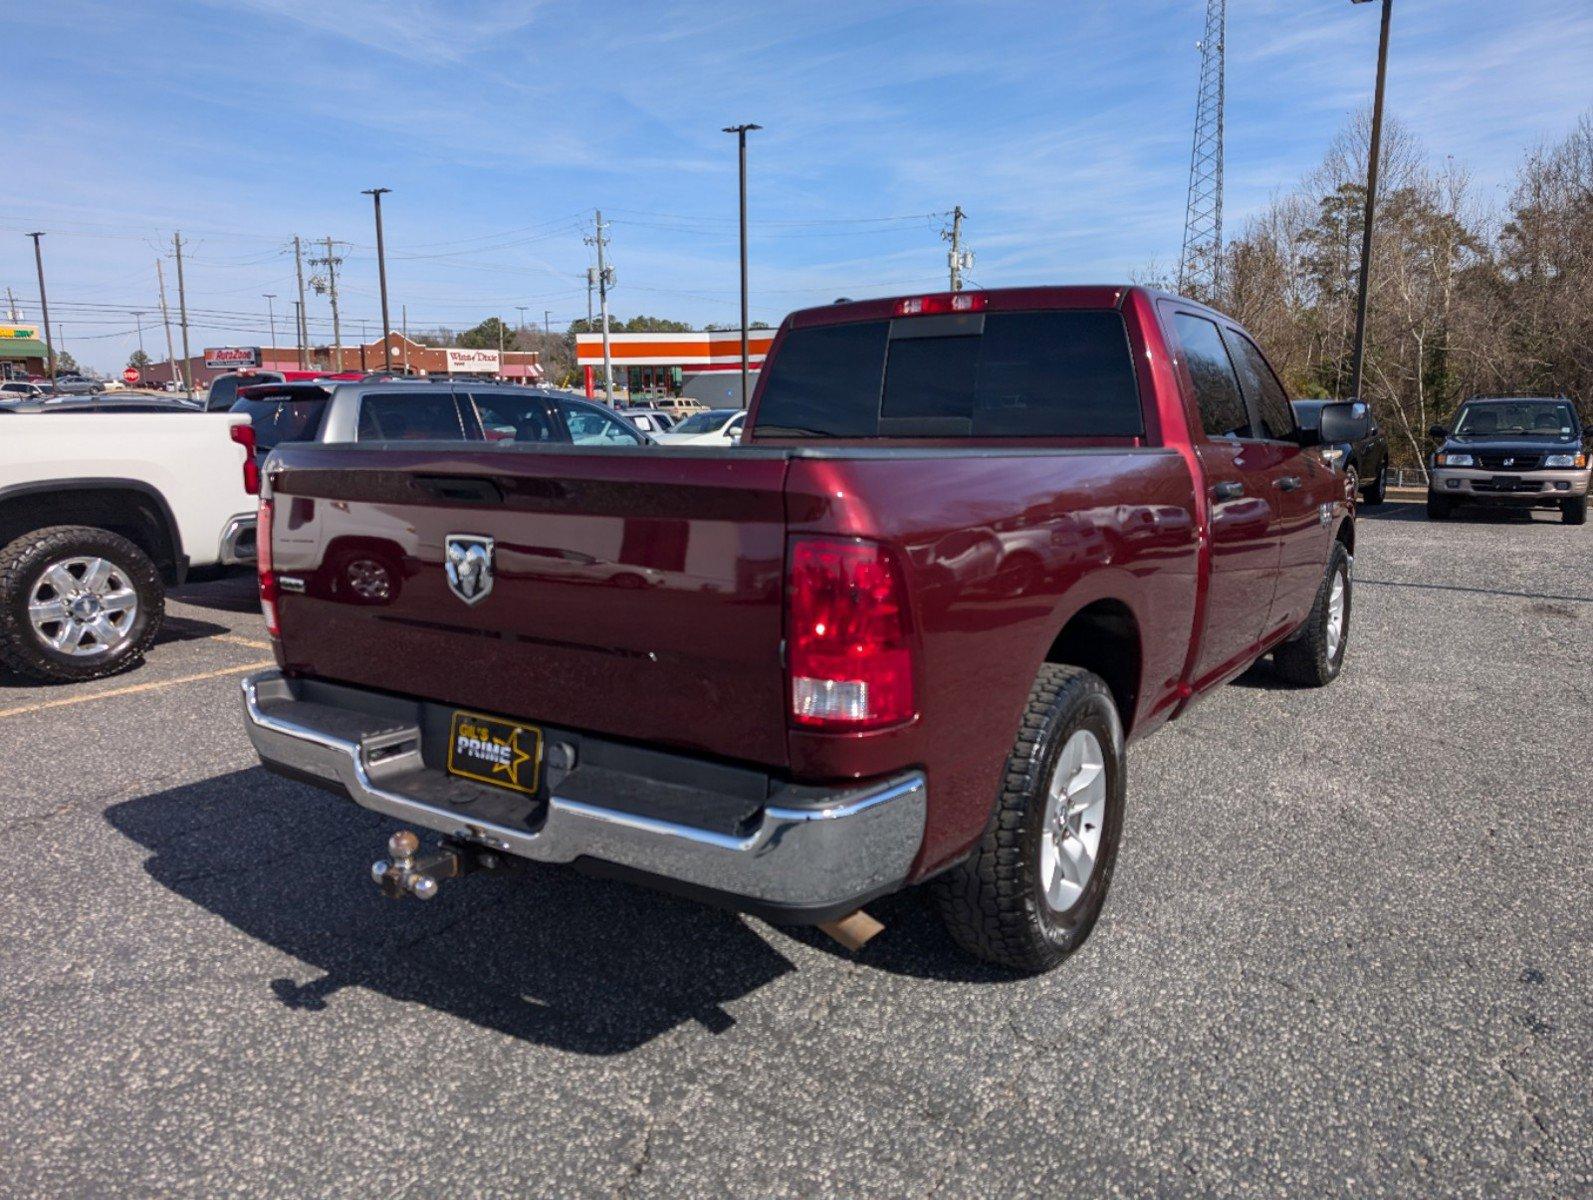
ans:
(945, 302)
(268, 578)
(244, 436)
(848, 636)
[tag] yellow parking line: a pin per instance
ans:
(155, 685)
(237, 640)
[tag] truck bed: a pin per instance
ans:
(638, 594)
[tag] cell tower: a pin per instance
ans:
(1200, 264)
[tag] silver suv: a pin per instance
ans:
(408, 410)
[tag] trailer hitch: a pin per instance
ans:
(406, 872)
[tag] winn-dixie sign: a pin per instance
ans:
(472, 360)
(226, 358)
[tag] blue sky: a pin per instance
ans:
(1061, 127)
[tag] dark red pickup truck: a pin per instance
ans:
(972, 545)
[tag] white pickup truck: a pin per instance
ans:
(99, 512)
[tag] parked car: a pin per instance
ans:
(805, 702)
(98, 514)
(21, 389)
(1364, 461)
(681, 407)
(1523, 451)
(407, 410)
(652, 421)
(71, 384)
(223, 391)
(712, 427)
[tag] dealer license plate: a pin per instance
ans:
(489, 750)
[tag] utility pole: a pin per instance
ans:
(182, 312)
(741, 132)
(11, 304)
(44, 306)
(376, 195)
(522, 308)
(330, 262)
(405, 310)
(1373, 153)
(958, 259)
(591, 282)
(500, 348)
(165, 319)
(271, 315)
(138, 319)
(605, 280)
(299, 333)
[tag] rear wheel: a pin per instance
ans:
(1033, 888)
(1314, 656)
(1438, 507)
(1378, 489)
(76, 603)
(1574, 512)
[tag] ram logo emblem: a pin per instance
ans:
(468, 563)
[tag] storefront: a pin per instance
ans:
(21, 352)
(704, 366)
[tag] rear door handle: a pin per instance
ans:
(1228, 489)
(1289, 482)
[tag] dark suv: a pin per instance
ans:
(1511, 450)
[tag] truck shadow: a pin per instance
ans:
(581, 964)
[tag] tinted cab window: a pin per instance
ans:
(1051, 373)
(1261, 385)
(1217, 395)
(224, 389)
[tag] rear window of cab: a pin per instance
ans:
(1052, 373)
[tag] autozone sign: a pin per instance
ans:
(472, 360)
(226, 358)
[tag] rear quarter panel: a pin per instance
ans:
(1001, 549)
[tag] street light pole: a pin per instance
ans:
(1373, 153)
(376, 195)
(271, 316)
(44, 307)
(741, 132)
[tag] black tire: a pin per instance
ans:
(23, 564)
(993, 903)
(1375, 494)
(1305, 660)
(1574, 512)
(1438, 507)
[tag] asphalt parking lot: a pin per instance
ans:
(1347, 953)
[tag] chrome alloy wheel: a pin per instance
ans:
(1335, 614)
(84, 607)
(1075, 810)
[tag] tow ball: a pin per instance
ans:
(407, 872)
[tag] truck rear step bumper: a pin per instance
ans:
(812, 859)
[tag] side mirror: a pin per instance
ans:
(1346, 422)
(1437, 432)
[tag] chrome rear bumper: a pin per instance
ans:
(806, 861)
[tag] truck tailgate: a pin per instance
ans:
(633, 593)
